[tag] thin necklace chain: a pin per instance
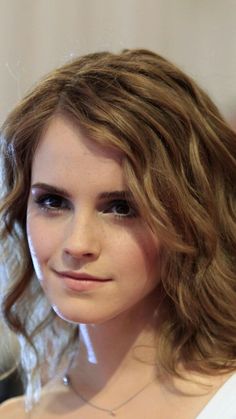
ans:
(112, 412)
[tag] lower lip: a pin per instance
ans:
(81, 284)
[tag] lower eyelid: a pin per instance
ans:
(47, 207)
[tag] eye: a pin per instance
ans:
(52, 202)
(121, 209)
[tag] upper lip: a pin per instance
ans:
(80, 275)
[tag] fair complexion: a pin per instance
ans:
(81, 222)
(98, 263)
(94, 256)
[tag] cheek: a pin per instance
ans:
(140, 255)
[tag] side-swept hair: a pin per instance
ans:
(180, 167)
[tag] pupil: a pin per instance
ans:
(122, 208)
(52, 201)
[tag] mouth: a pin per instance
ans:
(80, 276)
(80, 281)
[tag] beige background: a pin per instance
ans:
(37, 35)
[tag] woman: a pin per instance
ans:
(119, 176)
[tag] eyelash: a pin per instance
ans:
(63, 204)
(120, 202)
(41, 201)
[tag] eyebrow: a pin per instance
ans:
(125, 194)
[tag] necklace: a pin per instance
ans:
(112, 412)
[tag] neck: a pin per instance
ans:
(109, 352)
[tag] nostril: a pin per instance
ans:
(74, 260)
(77, 254)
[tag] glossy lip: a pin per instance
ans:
(80, 281)
(80, 276)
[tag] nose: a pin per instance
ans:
(82, 239)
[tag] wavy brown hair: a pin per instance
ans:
(180, 166)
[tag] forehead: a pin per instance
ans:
(65, 152)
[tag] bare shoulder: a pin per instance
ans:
(13, 408)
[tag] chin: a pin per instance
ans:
(76, 317)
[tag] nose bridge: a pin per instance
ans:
(82, 236)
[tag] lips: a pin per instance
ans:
(80, 281)
(81, 276)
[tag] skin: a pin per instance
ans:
(80, 231)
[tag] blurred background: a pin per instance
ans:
(198, 35)
(38, 35)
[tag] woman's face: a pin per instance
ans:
(93, 254)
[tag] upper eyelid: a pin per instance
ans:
(37, 192)
(39, 196)
(105, 203)
(113, 202)
(65, 205)
(109, 199)
(48, 195)
(109, 195)
(48, 189)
